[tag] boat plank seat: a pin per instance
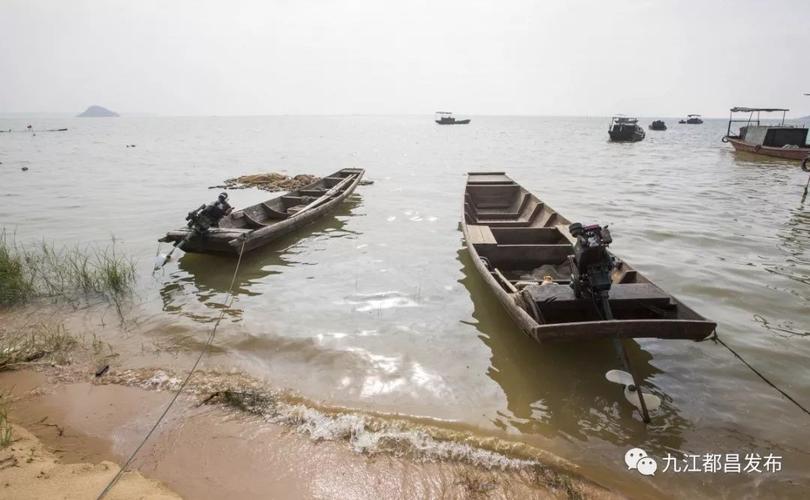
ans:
(494, 195)
(647, 293)
(291, 200)
(513, 212)
(252, 219)
(312, 192)
(295, 209)
(480, 235)
(490, 178)
(520, 222)
(526, 255)
(272, 213)
(529, 236)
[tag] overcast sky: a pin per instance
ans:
(202, 57)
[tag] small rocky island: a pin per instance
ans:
(97, 112)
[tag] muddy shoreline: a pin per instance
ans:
(213, 451)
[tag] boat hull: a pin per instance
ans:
(785, 153)
(233, 240)
(486, 249)
(455, 122)
(626, 133)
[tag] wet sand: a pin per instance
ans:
(205, 451)
(28, 470)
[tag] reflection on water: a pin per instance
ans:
(207, 278)
(560, 388)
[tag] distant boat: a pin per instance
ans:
(780, 141)
(625, 129)
(447, 118)
(692, 120)
(658, 125)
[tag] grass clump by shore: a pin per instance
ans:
(6, 436)
(48, 344)
(47, 271)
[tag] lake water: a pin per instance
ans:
(379, 308)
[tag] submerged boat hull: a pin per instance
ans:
(513, 238)
(786, 153)
(258, 225)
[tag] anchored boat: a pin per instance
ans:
(447, 118)
(780, 141)
(216, 228)
(625, 129)
(692, 120)
(557, 280)
(658, 125)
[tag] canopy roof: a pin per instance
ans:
(750, 110)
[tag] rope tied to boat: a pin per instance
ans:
(790, 398)
(806, 168)
(226, 304)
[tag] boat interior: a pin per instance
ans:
(525, 245)
(288, 205)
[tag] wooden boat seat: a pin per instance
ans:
(525, 256)
(272, 213)
(638, 293)
(480, 235)
(251, 220)
(295, 209)
(292, 200)
(513, 212)
(312, 192)
(521, 222)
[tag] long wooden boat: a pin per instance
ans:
(521, 246)
(777, 140)
(260, 224)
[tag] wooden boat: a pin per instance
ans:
(521, 247)
(779, 141)
(658, 125)
(260, 224)
(625, 129)
(447, 118)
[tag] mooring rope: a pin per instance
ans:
(225, 306)
(759, 374)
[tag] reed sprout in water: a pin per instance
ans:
(45, 270)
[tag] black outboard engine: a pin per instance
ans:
(208, 216)
(591, 263)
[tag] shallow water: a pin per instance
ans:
(379, 308)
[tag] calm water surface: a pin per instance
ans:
(378, 307)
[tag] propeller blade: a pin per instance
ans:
(619, 377)
(161, 261)
(652, 401)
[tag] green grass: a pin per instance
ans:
(15, 282)
(47, 271)
(5, 427)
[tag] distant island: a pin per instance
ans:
(97, 112)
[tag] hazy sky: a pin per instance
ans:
(190, 57)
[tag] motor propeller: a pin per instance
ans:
(631, 393)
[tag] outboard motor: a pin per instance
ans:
(591, 263)
(208, 216)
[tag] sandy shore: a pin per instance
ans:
(204, 451)
(30, 471)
